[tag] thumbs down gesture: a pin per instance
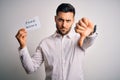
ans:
(85, 28)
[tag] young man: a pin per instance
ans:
(62, 52)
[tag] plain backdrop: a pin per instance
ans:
(102, 60)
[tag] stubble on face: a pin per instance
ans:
(64, 22)
(63, 31)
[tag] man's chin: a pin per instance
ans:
(64, 33)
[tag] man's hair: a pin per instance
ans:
(65, 7)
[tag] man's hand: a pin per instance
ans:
(21, 36)
(84, 27)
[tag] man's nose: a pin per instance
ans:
(64, 24)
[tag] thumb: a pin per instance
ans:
(81, 40)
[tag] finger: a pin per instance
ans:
(80, 27)
(22, 29)
(81, 23)
(21, 35)
(90, 24)
(85, 20)
(81, 41)
(79, 31)
(22, 32)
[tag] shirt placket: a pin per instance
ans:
(62, 58)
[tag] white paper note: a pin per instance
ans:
(32, 24)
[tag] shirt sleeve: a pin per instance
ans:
(31, 63)
(89, 40)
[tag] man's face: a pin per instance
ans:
(64, 21)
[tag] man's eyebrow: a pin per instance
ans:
(61, 19)
(68, 20)
(64, 19)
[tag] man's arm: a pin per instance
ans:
(29, 63)
(89, 40)
(86, 30)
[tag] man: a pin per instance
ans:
(62, 52)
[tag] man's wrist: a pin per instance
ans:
(95, 27)
(22, 46)
(94, 30)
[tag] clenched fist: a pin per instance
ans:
(21, 36)
(84, 27)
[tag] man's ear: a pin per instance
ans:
(55, 18)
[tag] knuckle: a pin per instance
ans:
(76, 30)
(20, 32)
(84, 18)
(81, 23)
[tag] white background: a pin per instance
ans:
(102, 60)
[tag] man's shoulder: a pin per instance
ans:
(47, 39)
